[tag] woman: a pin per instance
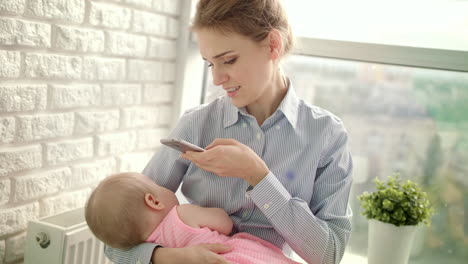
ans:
(278, 166)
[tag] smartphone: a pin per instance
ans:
(180, 145)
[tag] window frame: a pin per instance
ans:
(452, 60)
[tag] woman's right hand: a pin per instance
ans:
(202, 253)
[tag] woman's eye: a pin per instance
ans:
(230, 61)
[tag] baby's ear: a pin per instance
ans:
(153, 202)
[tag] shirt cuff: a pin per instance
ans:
(147, 253)
(269, 195)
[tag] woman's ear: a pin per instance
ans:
(275, 44)
(153, 203)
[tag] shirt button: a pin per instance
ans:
(247, 195)
(245, 214)
(244, 125)
(277, 127)
(138, 262)
(266, 206)
(259, 136)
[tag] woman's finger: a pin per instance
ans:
(217, 248)
(221, 141)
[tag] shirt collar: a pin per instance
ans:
(230, 113)
(289, 106)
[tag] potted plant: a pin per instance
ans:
(394, 211)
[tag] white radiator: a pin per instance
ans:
(63, 239)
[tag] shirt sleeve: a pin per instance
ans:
(167, 169)
(319, 231)
(140, 254)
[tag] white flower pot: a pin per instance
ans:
(388, 243)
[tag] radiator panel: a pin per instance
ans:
(70, 241)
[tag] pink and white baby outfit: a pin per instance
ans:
(246, 248)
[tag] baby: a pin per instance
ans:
(127, 209)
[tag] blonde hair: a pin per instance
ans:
(115, 210)
(254, 19)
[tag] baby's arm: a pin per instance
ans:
(213, 218)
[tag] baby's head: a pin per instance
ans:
(125, 208)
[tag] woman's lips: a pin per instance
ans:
(232, 91)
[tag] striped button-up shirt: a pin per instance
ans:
(303, 200)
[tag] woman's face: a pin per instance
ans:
(241, 66)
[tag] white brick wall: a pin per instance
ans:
(5, 188)
(79, 39)
(12, 6)
(86, 90)
(2, 251)
(22, 97)
(15, 219)
(11, 63)
(15, 247)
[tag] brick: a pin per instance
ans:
(172, 30)
(35, 127)
(96, 121)
(158, 93)
(103, 69)
(5, 189)
(52, 66)
(162, 48)
(121, 94)
(149, 138)
(22, 97)
(15, 247)
(139, 3)
(168, 72)
(70, 10)
(123, 44)
(7, 129)
(64, 202)
(19, 159)
(139, 116)
(134, 162)
(2, 251)
(69, 150)
(165, 117)
(79, 39)
(16, 219)
(40, 184)
(25, 33)
(116, 143)
(11, 64)
(12, 6)
(143, 70)
(70, 96)
(149, 23)
(109, 16)
(167, 6)
(91, 173)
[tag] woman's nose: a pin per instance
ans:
(219, 77)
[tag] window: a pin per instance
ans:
(437, 24)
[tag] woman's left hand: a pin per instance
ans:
(230, 158)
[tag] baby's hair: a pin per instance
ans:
(251, 18)
(115, 210)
